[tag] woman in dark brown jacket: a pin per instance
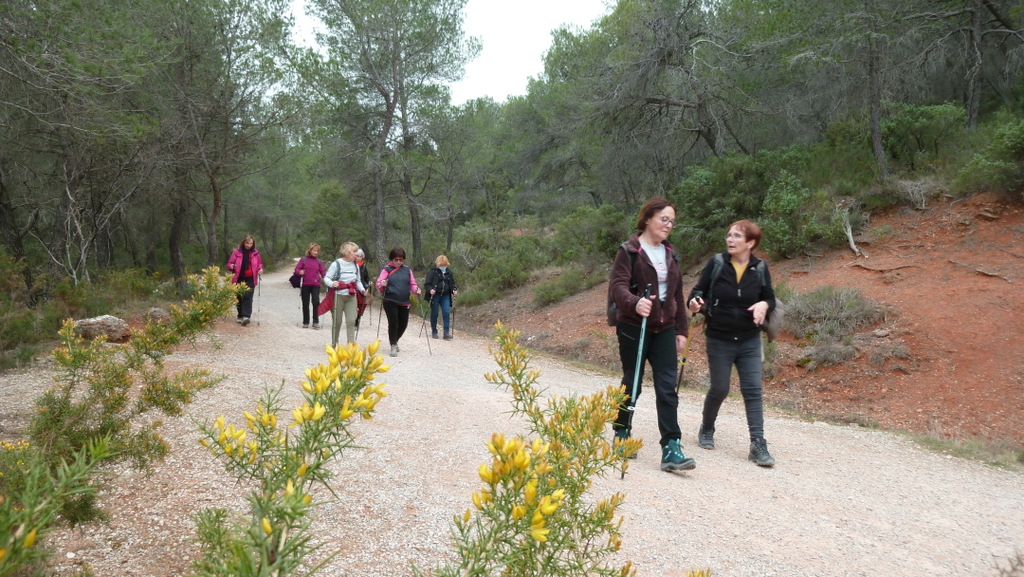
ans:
(648, 260)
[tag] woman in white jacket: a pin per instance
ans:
(343, 278)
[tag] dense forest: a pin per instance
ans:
(152, 136)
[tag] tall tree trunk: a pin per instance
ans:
(415, 223)
(875, 101)
(975, 63)
(211, 223)
(179, 228)
(379, 171)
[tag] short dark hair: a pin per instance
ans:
(650, 207)
(396, 253)
(749, 229)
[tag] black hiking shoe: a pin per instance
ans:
(447, 336)
(706, 437)
(673, 459)
(759, 453)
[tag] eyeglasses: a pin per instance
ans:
(666, 221)
(398, 259)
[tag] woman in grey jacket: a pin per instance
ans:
(396, 285)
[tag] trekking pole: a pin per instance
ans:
(378, 317)
(259, 299)
(334, 322)
(452, 306)
(631, 405)
(424, 326)
(682, 362)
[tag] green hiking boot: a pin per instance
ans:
(673, 459)
(706, 437)
(759, 453)
(622, 435)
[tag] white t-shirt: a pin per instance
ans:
(658, 257)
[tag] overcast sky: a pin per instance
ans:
(514, 34)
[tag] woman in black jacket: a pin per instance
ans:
(648, 260)
(440, 286)
(735, 303)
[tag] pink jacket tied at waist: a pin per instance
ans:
(352, 288)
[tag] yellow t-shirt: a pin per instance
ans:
(739, 270)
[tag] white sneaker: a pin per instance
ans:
(245, 321)
(394, 350)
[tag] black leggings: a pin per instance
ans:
(310, 292)
(244, 305)
(398, 320)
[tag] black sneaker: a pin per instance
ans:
(673, 459)
(706, 437)
(759, 453)
(245, 321)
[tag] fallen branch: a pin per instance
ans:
(978, 270)
(864, 266)
(848, 229)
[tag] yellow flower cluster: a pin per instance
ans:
(347, 363)
(262, 418)
(519, 467)
(231, 440)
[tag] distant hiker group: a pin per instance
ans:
(349, 292)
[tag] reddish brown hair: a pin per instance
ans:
(749, 229)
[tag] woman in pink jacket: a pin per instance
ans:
(312, 271)
(247, 266)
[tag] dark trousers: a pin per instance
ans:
(660, 352)
(746, 356)
(310, 293)
(244, 305)
(398, 320)
(444, 303)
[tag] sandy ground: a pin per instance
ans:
(842, 500)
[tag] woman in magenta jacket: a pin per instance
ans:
(312, 271)
(247, 266)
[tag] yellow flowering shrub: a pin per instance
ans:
(532, 515)
(286, 457)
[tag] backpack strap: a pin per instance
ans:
(632, 266)
(717, 264)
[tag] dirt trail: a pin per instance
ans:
(842, 501)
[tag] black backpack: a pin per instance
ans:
(612, 307)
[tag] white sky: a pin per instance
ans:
(514, 35)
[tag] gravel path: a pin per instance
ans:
(842, 501)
